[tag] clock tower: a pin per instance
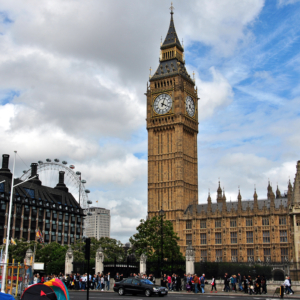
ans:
(172, 124)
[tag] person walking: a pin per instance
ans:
(240, 282)
(290, 284)
(264, 284)
(108, 281)
(202, 283)
(169, 282)
(245, 281)
(213, 284)
(287, 286)
(196, 282)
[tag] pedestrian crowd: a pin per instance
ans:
(189, 282)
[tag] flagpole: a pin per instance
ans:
(8, 228)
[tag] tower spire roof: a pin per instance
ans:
(171, 37)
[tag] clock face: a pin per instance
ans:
(190, 106)
(162, 104)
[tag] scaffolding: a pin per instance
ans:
(18, 277)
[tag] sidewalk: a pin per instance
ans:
(232, 294)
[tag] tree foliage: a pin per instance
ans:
(111, 248)
(53, 254)
(148, 239)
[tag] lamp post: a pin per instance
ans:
(8, 225)
(161, 214)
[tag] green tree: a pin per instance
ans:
(18, 251)
(148, 239)
(111, 248)
(53, 256)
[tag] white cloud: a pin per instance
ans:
(214, 94)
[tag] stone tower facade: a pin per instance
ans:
(172, 124)
(295, 219)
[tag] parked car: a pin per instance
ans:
(139, 286)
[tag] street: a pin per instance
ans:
(81, 295)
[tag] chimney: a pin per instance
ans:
(61, 182)
(5, 171)
(34, 173)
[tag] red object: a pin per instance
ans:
(43, 293)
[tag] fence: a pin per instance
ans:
(271, 270)
(169, 267)
(126, 267)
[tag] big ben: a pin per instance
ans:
(172, 124)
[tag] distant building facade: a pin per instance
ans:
(98, 222)
(53, 211)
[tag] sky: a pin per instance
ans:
(73, 76)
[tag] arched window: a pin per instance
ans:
(155, 84)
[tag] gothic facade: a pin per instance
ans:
(266, 230)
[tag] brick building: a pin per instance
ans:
(53, 211)
(253, 230)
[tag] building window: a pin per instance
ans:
(189, 239)
(283, 236)
(202, 224)
(267, 255)
(219, 255)
(265, 222)
(234, 255)
(233, 237)
(218, 236)
(284, 254)
(188, 225)
(203, 238)
(233, 223)
(249, 235)
(203, 255)
(266, 236)
(248, 222)
(282, 220)
(218, 224)
(250, 255)
(29, 192)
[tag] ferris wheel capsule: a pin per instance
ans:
(24, 171)
(40, 162)
(87, 191)
(48, 160)
(78, 173)
(89, 202)
(56, 160)
(83, 181)
(72, 167)
(64, 162)
(89, 214)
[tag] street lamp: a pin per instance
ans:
(161, 213)
(8, 225)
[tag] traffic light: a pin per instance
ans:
(87, 248)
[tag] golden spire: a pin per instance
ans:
(172, 8)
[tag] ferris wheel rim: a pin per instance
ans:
(43, 166)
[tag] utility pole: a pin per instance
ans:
(87, 257)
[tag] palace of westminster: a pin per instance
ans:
(258, 230)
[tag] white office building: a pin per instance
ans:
(98, 222)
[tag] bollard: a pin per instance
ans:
(281, 291)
